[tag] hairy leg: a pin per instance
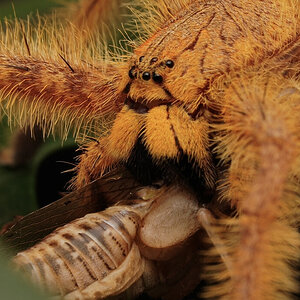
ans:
(88, 15)
(52, 84)
(112, 149)
(261, 142)
(85, 17)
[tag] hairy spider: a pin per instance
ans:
(208, 97)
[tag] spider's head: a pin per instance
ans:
(162, 70)
(157, 79)
(146, 75)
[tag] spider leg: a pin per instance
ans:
(259, 138)
(207, 221)
(88, 15)
(109, 150)
(52, 92)
(55, 87)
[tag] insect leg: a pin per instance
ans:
(207, 222)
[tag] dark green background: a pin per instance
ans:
(17, 184)
(23, 7)
(17, 195)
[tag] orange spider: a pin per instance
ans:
(209, 97)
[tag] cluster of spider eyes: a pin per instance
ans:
(147, 75)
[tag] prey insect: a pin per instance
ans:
(146, 243)
(208, 98)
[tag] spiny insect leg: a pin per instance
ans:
(207, 221)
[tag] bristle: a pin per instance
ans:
(61, 83)
(88, 15)
(151, 15)
(216, 273)
(69, 66)
(68, 78)
(260, 138)
(47, 72)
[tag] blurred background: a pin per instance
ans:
(26, 164)
(23, 8)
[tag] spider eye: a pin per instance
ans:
(170, 63)
(141, 58)
(157, 78)
(153, 60)
(146, 76)
(130, 73)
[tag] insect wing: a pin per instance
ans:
(94, 197)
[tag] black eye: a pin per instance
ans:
(170, 63)
(141, 58)
(146, 76)
(130, 73)
(153, 60)
(157, 78)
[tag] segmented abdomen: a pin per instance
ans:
(83, 252)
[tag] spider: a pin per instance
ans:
(207, 97)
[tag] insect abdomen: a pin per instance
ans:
(81, 253)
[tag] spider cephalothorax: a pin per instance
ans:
(210, 97)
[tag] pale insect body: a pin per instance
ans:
(83, 252)
(105, 253)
